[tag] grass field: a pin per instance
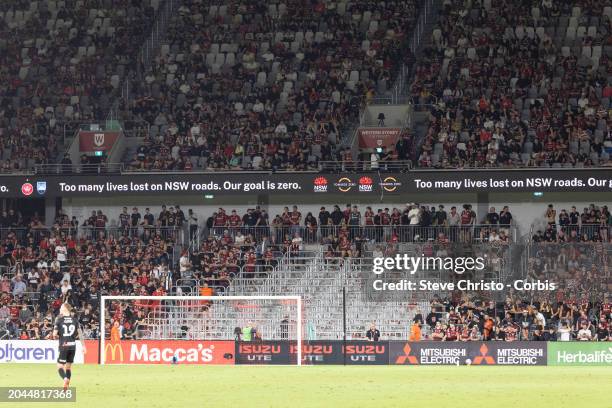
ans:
(330, 386)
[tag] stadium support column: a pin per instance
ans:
(344, 324)
(482, 205)
(263, 200)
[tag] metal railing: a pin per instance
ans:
(91, 169)
(177, 234)
(366, 165)
(475, 233)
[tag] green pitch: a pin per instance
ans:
(332, 386)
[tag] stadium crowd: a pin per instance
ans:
(591, 225)
(517, 84)
(539, 319)
(260, 86)
(61, 63)
(139, 254)
(43, 267)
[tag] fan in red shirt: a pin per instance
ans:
(250, 261)
(220, 219)
(438, 332)
(452, 333)
(369, 216)
(234, 220)
(295, 216)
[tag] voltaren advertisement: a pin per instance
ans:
(33, 351)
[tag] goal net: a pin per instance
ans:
(201, 330)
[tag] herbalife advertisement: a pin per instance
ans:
(580, 353)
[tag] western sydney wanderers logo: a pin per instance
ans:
(407, 358)
(484, 358)
(99, 139)
(320, 185)
(27, 189)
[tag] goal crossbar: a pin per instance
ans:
(104, 299)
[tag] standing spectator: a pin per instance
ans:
(564, 332)
(61, 253)
(148, 217)
(551, 215)
(185, 265)
(492, 218)
(134, 221)
(180, 217)
(193, 224)
(124, 220)
(324, 221)
(373, 334)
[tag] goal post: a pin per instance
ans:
(220, 319)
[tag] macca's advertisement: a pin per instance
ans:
(168, 352)
(464, 181)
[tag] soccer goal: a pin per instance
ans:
(201, 329)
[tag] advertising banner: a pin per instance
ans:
(428, 353)
(33, 351)
(169, 351)
(366, 352)
(319, 352)
(378, 137)
(580, 353)
(264, 352)
(356, 184)
(476, 353)
(313, 352)
(509, 353)
(96, 141)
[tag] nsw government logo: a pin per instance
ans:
(41, 187)
(365, 184)
(320, 185)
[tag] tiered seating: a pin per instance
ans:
(260, 85)
(512, 85)
(61, 62)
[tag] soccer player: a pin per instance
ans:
(67, 329)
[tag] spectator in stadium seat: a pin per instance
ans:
(584, 334)
(19, 286)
